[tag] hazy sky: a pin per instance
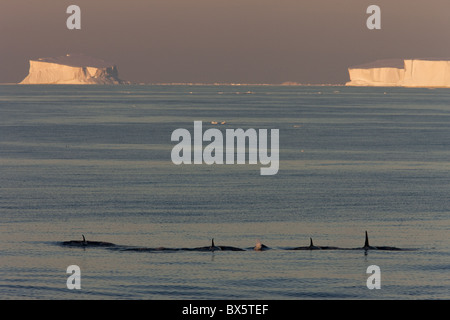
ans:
(246, 41)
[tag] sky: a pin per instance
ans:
(225, 41)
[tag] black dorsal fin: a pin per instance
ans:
(366, 243)
(212, 243)
(84, 239)
(311, 242)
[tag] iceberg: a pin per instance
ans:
(428, 72)
(72, 69)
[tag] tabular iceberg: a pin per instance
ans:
(430, 72)
(72, 69)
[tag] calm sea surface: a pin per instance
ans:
(96, 160)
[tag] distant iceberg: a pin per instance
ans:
(429, 72)
(72, 69)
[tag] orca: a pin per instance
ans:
(213, 248)
(369, 247)
(313, 247)
(85, 243)
(310, 247)
(366, 244)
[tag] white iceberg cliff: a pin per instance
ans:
(430, 72)
(72, 69)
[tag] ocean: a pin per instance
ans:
(96, 161)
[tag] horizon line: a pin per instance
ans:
(200, 84)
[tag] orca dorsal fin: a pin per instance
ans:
(84, 239)
(311, 242)
(212, 243)
(366, 243)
